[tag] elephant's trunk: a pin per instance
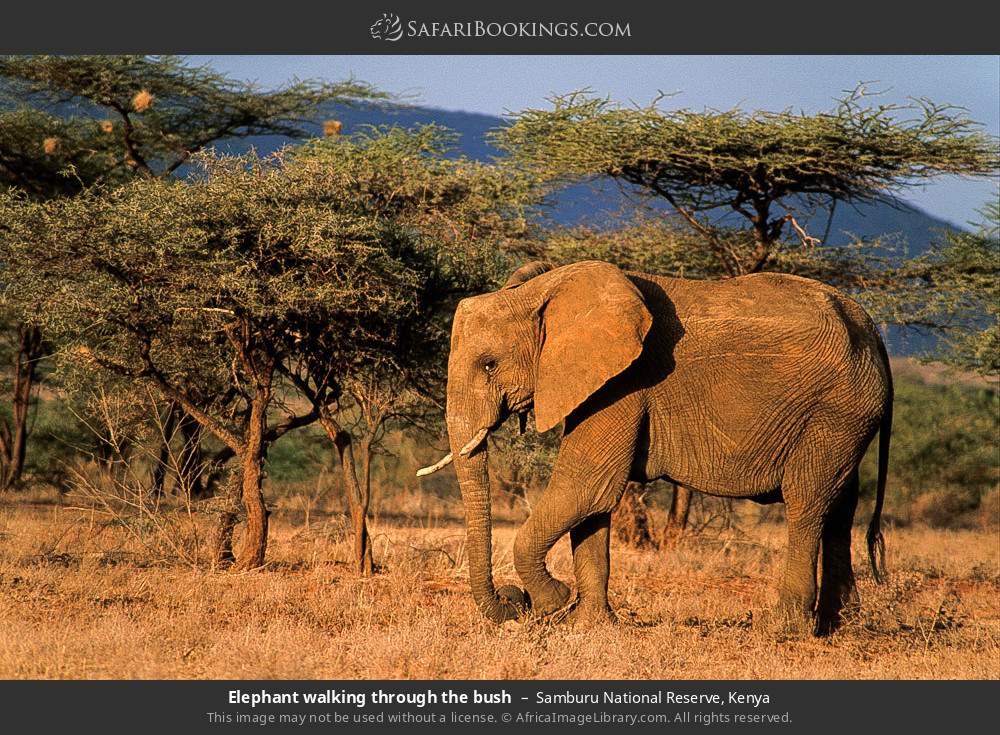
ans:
(474, 480)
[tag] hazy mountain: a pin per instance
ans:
(602, 203)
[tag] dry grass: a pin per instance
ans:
(936, 373)
(82, 598)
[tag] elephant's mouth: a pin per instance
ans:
(522, 406)
(520, 409)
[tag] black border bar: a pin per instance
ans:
(526, 706)
(666, 27)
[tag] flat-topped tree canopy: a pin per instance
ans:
(755, 164)
(67, 122)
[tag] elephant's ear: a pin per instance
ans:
(526, 272)
(593, 323)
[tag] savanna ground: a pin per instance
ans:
(84, 594)
(91, 587)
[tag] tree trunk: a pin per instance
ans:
(167, 426)
(677, 518)
(630, 520)
(763, 237)
(363, 551)
(222, 536)
(254, 546)
(358, 495)
(14, 439)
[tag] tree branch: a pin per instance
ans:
(224, 434)
(127, 130)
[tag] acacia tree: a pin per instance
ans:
(375, 398)
(715, 169)
(68, 123)
(454, 221)
(760, 166)
(228, 291)
(162, 281)
(107, 117)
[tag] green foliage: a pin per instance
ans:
(856, 151)
(164, 265)
(943, 441)
(299, 456)
(109, 117)
(45, 155)
(664, 246)
(750, 162)
(71, 124)
(413, 175)
(955, 288)
(58, 439)
(336, 264)
(644, 244)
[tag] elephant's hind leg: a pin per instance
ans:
(797, 591)
(809, 487)
(815, 479)
(837, 590)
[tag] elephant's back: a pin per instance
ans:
(761, 335)
(799, 314)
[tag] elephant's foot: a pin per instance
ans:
(827, 623)
(589, 615)
(514, 598)
(551, 598)
(832, 613)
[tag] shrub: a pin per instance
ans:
(943, 508)
(944, 446)
(989, 510)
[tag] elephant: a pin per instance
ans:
(767, 386)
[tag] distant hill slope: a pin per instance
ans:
(602, 202)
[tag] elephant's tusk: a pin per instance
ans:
(474, 442)
(443, 462)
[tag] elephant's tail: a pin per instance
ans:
(876, 542)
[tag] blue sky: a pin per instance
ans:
(496, 84)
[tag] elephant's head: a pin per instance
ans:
(548, 340)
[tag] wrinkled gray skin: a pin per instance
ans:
(768, 387)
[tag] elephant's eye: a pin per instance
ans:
(489, 365)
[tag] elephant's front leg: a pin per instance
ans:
(588, 480)
(553, 516)
(578, 501)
